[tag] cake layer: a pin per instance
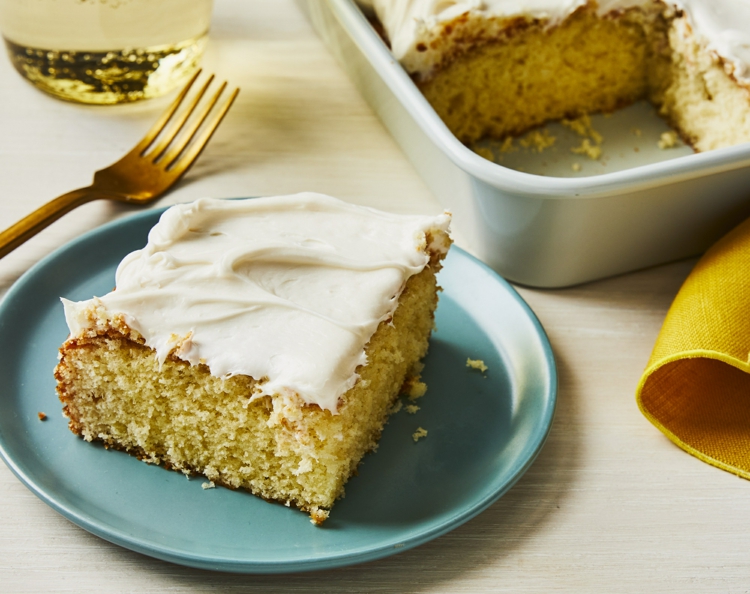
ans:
(531, 74)
(426, 33)
(263, 284)
(702, 101)
(286, 289)
(277, 447)
(501, 67)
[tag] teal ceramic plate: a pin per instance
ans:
(484, 431)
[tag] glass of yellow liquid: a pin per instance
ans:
(105, 51)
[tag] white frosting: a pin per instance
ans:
(722, 25)
(288, 288)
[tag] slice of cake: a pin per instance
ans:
(496, 68)
(259, 342)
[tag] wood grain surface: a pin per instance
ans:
(609, 506)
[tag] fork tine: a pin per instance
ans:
(182, 162)
(190, 132)
(176, 127)
(151, 135)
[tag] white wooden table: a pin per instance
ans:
(609, 506)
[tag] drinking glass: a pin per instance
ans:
(105, 51)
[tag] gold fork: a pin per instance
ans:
(142, 175)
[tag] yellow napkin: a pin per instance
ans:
(696, 387)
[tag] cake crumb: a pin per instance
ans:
(576, 166)
(667, 140)
(583, 127)
(538, 140)
(42, 416)
(580, 125)
(412, 408)
(485, 153)
(507, 146)
(476, 364)
(593, 152)
(413, 388)
(208, 485)
(419, 434)
(397, 406)
(637, 132)
(318, 516)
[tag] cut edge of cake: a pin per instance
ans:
(502, 76)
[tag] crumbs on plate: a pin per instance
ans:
(477, 364)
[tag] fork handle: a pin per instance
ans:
(42, 217)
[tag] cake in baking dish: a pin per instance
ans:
(497, 68)
(260, 342)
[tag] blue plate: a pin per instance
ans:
(484, 431)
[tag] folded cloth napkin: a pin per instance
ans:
(696, 387)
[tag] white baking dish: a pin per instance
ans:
(537, 230)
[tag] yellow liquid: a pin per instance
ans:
(105, 51)
(108, 77)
